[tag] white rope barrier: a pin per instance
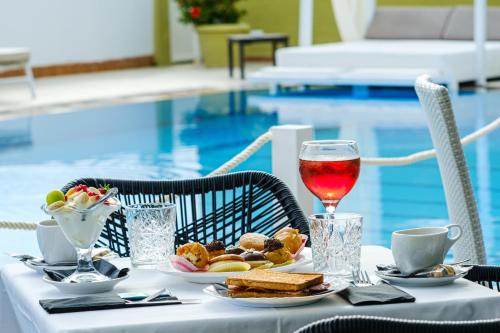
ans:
(428, 154)
(266, 137)
(17, 225)
(243, 155)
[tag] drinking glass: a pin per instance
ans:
(336, 243)
(82, 228)
(151, 228)
(329, 169)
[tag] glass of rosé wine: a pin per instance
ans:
(329, 169)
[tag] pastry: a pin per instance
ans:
(229, 266)
(196, 253)
(253, 241)
(254, 258)
(226, 257)
(276, 252)
(259, 283)
(441, 271)
(290, 238)
(215, 248)
(231, 249)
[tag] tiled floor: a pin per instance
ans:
(57, 93)
(54, 93)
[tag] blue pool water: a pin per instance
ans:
(190, 136)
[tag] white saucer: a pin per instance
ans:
(85, 288)
(423, 281)
(271, 302)
(210, 277)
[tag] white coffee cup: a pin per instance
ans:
(53, 244)
(416, 249)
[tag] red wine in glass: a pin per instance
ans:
(329, 169)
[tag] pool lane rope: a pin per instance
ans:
(266, 137)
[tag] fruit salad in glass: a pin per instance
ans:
(81, 213)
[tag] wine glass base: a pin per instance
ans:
(86, 277)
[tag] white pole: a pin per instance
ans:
(286, 143)
(480, 21)
(305, 22)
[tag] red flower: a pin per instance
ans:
(195, 12)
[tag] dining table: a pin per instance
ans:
(21, 289)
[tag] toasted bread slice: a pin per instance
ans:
(265, 279)
(266, 294)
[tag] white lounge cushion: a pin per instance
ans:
(454, 58)
(408, 22)
(461, 24)
(10, 56)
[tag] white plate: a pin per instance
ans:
(422, 282)
(85, 288)
(210, 277)
(271, 302)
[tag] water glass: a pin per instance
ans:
(151, 229)
(336, 243)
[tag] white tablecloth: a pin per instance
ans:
(21, 312)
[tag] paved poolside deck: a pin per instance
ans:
(60, 92)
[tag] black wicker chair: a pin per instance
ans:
(368, 324)
(221, 207)
(488, 276)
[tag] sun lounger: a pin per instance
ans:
(15, 58)
(400, 44)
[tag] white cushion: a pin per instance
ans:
(10, 56)
(461, 24)
(408, 22)
(454, 58)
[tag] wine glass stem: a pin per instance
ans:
(330, 206)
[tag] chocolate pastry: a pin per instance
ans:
(215, 248)
(272, 244)
(231, 249)
(215, 245)
(253, 256)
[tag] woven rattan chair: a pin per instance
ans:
(368, 324)
(221, 207)
(488, 276)
(460, 200)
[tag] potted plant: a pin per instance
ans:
(214, 20)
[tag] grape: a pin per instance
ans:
(54, 196)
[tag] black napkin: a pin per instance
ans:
(102, 266)
(379, 294)
(98, 302)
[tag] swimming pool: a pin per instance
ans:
(190, 136)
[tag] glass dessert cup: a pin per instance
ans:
(82, 228)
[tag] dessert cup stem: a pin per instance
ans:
(85, 261)
(85, 270)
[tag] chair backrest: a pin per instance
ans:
(460, 200)
(488, 276)
(369, 324)
(221, 207)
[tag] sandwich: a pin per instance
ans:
(264, 283)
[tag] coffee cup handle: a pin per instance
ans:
(453, 239)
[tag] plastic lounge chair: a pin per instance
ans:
(460, 200)
(14, 58)
(368, 324)
(221, 207)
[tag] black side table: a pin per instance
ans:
(243, 40)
